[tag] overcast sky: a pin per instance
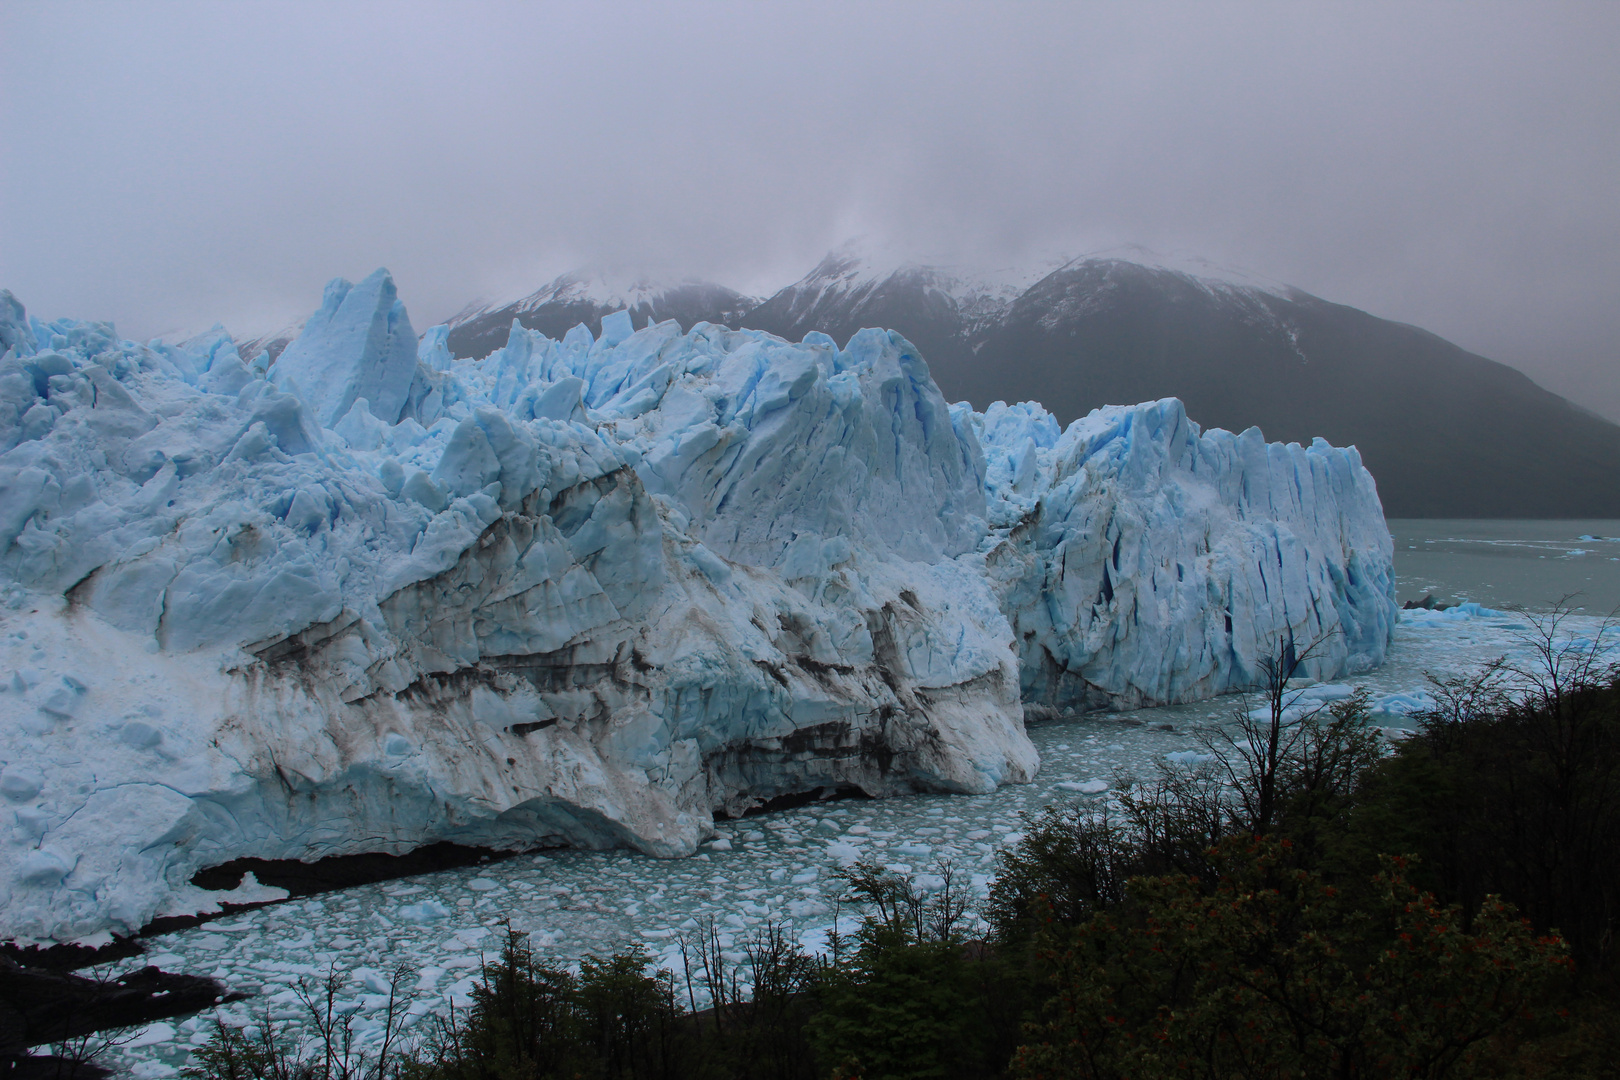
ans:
(1451, 165)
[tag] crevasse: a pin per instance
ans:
(589, 592)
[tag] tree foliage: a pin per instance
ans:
(1269, 971)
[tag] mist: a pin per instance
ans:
(167, 166)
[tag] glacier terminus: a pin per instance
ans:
(592, 592)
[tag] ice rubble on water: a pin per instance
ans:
(589, 592)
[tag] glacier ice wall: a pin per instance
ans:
(588, 591)
(1145, 562)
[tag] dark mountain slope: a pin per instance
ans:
(938, 313)
(577, 298)
(1446, 433)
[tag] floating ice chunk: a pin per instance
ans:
(1403, 703)
(1467, 610)
(250, 891)
(20, 782)
(1083, 787)
(1321, 692)
(150, 1035)
(424, 911)
(460, 992)
(844, 854)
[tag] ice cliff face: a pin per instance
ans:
(1144, 562)
(587, 591)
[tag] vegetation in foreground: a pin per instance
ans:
(1303, 903)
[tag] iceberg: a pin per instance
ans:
(593, 591)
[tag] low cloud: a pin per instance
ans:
(1452, 166)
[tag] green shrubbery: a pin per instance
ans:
(910, 995)
(1305, 902)
(1268, 970)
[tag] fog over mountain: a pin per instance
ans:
(1450, 166)
(1446, 433)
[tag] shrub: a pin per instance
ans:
(329, 1052)
(1270, 971)
(1520, 798)
(529, 1021)
(914, 998)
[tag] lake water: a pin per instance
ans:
(1525, 564)
(783, 867)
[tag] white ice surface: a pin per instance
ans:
(586, 592)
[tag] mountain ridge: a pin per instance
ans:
(1446, 432)
(584, 297)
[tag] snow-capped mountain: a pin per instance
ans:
(584, 297)
(854, 284)
(272, 343)
(1445, 432)
(953, 313)
(944, 310)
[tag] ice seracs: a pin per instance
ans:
(591, 590)
(1148, 562)
(358, 345)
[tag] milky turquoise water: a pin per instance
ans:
(1528, 564)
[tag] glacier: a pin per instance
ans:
(592, 591)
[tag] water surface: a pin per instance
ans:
(1525, 564)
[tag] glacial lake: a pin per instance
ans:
(783, 866)
(1526, 564)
